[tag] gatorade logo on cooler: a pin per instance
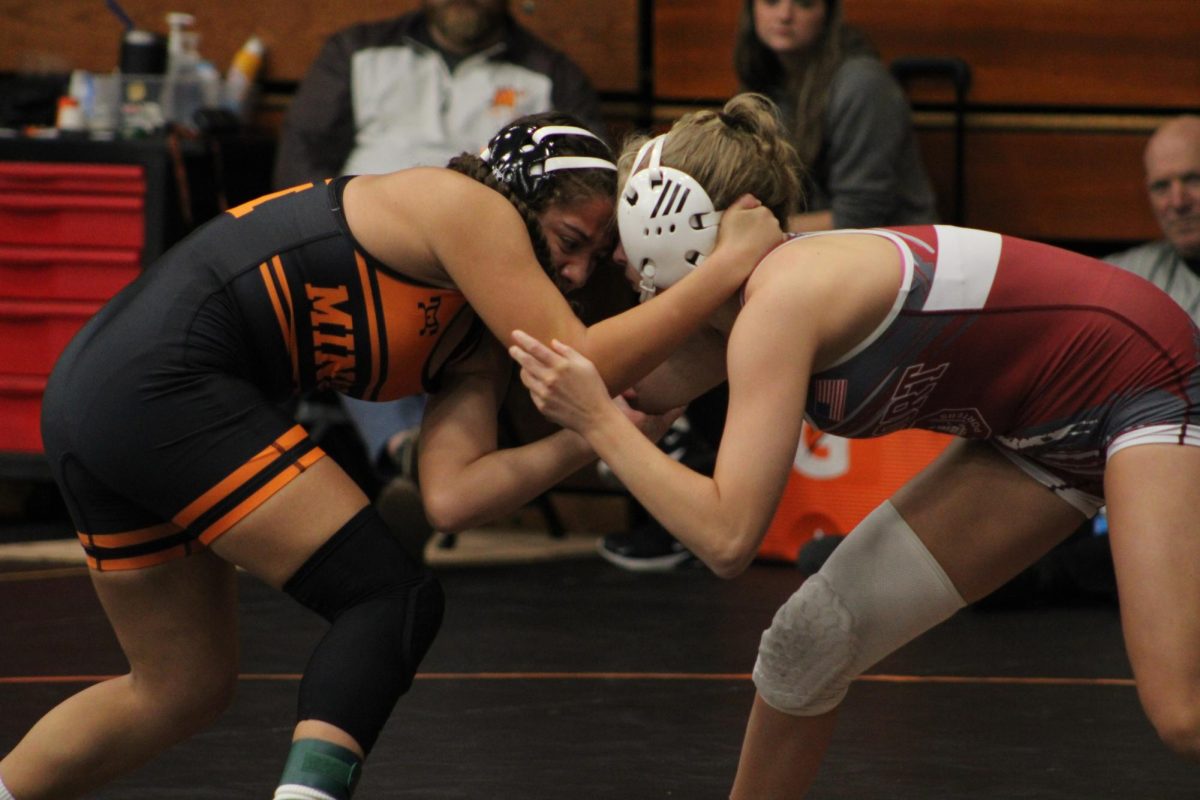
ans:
(822, 455)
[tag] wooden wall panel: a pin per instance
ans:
(1061, 177)
(1047, 185)
(1022, 52)
(1049, 181)
(693, 48)
(65, 34)
(1101, 53)
(1114, 53)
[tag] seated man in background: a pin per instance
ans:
(1172, 160)
(421, 88)
(417, 90)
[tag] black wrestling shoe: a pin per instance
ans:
(681, 444)
(816, 552)
(646, 548)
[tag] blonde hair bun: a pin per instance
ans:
(740, 149)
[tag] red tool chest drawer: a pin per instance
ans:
(71, 236)
(34, 333)
(62, 178)
(65, 273)
(72, 204)
(20, 413)
(105, 221)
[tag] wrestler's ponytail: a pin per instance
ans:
(742, 148)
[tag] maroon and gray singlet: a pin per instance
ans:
(1059, 359)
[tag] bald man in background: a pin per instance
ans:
(1172, 162)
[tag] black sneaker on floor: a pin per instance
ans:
(681, 444)
(816, 552)
(646, 548)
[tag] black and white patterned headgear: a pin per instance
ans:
(524, 154)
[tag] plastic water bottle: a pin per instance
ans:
(191, 82)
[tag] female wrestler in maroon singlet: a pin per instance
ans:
(1072, 384)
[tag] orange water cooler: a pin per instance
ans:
(835, 482)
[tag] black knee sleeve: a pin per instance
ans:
(385, 611)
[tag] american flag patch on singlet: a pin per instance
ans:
(830, 398)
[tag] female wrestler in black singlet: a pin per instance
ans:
(162, 428)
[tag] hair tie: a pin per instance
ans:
(737, 123)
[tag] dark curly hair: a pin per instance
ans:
(562, 187)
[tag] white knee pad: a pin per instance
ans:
(879, 589)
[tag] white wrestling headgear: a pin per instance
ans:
(667, 221)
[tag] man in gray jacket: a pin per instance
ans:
(421, 88)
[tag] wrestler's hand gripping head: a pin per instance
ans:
(666, 219)
(526, 155)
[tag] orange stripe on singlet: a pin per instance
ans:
(126, 538)
(193, 511)
(247, 207)
(137, 562)
(239, 512)
(277, 265)
(364, 277)
(262, 460)
(239, 476)
(281, 316)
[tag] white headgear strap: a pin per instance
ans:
(560, 162)
(667, 221)
(570, 162)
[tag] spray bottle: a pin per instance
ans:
(191, 82)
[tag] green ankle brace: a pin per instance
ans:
(322, 765)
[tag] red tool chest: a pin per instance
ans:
(71, 235)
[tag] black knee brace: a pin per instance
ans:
(385, 609)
